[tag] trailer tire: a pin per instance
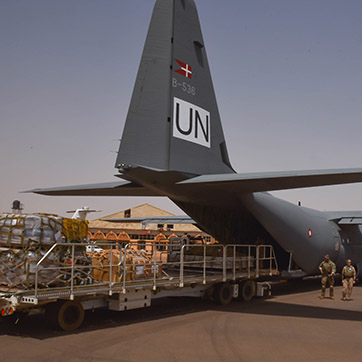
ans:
(223, 293)
(247, 290)
(66, 315)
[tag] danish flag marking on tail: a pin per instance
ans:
(185, 70)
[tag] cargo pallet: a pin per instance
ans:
(220, 272)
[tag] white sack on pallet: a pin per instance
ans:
(26, 229)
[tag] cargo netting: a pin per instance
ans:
(25, 239)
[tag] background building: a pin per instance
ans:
(138, 231)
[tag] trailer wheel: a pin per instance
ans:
(66, 315)
(223, 293)
(247, 290)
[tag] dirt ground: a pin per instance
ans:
(292, 325)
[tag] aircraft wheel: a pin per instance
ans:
(66, 315)
(223, 293)
(247, 290)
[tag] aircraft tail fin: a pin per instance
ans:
(173, 121)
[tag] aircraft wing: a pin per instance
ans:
(155, 220)
(119, 188)
(272, 181)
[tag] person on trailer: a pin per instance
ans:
(327, 269)
(348, 279)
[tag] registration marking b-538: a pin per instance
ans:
(185, 87)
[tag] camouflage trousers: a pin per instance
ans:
(347, 287)
(330, 280)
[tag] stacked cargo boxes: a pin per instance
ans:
(25, 239)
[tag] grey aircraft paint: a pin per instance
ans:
(173, 145)
(174, 100)
(194, 91)
(150, 103)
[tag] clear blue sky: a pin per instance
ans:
(287, 75)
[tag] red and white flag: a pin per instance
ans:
(185, 70)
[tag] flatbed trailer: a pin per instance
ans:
(220, 272)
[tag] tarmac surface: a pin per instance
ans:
(292, 325)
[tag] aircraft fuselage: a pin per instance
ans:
(246, 218)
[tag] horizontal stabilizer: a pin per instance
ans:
(233, 183)
(273, 181)
(119, 188)
(350, 221)
(345, 217)
(155, 220)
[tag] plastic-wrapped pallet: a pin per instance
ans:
(24, 240)
(18, 269)
(39, 230)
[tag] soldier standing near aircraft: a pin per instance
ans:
(327, 269)
(348, 279)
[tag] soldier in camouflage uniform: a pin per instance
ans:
(327, 269)
(348, 279)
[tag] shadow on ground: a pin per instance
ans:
(35, 326)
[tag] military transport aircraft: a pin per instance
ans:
(173, 145)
